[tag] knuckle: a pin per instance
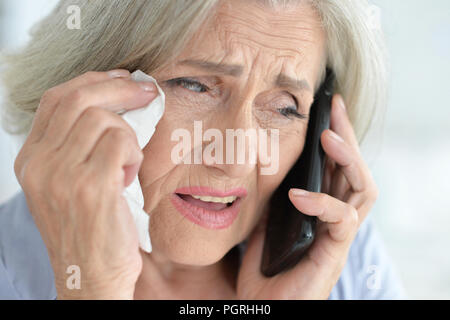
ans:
(30, 166)
(117, 141)
(120, 136)
(29, 175)
(74, 98)
(352, 216)
(94, 114)
(323, 199)
(48, 97)
(18, 165)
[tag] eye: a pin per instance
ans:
(292, 111)
(188, 84)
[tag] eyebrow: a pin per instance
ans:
(227, 69)
(234, 70)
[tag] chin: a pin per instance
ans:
(191, 252)
(184, 242)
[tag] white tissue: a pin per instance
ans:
(143, 121)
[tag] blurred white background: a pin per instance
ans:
(411, 165)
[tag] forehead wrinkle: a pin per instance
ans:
(292, 22)
(238, 33)
(233, 25)
(246, 41)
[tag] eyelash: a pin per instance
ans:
(185, 83)
(291, 111)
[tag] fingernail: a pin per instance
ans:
(299, 193)
(147, 86)
(341, 102)
(119, 73)
(335, 136)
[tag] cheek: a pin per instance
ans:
(292, 141)
(157, 167)
(290, 147)
(157, 153)
(157, 159)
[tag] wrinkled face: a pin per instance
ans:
(250, 67)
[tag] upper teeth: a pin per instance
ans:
(215, 199)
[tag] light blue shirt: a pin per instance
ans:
(26, 273)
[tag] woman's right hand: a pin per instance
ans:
(73, 168)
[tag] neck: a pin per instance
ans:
(163, 279)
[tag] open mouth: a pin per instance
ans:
(208, 202)
(209, 211)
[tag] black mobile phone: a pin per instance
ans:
(290, 233)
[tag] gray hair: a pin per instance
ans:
(147, 34)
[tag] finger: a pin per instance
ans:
(87, 131)
(116, 157)
(327, 177)
(363, 202)
(339, 184)
(340, 122)
(348, 159)
(341, 218)
(52, 96)
(113, 95)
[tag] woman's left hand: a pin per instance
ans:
(349, 194)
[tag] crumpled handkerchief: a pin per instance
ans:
(143, 121)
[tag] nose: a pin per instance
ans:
(240, 140)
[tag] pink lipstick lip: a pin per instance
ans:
(203, 217)
(209, 191)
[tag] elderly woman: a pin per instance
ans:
(216, 62)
